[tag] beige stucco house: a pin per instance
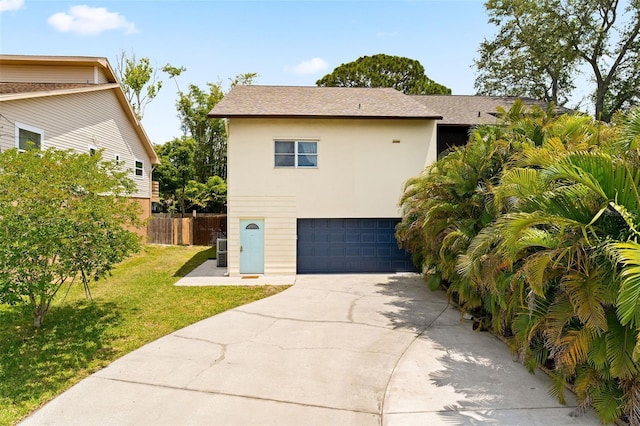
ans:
(73, 103)
(315, 175)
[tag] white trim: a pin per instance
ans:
(92, 147)
(296, 153)
(28, 128)
(136, 168)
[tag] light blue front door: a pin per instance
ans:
(252, 246)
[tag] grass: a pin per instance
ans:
(136, 305)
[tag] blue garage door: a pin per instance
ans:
(350, 245)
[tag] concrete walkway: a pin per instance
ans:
(331, 350)
(209, 274)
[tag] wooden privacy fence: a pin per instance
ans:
(200, 230)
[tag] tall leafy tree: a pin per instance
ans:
(209, 134)
(525, 58)
(539, 46)
(176, 169)
(403, 74)
(63, 217)
(139, 80)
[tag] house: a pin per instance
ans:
(74, 103)
(315, 175)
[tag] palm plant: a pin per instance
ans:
(570, 209)
(446, 206)
(532, 227)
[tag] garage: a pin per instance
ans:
(350, 246)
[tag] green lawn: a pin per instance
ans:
(136, 305)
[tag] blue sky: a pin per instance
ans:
(285, 42)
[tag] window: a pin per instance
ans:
(296, 154)
(139, 169)
(92, 150)
(28, 137)
(117, 158)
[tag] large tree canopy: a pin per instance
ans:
(403, 74)
(540, 46)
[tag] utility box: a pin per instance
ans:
(221, 252)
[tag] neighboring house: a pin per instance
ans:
(462, 112)
(73, 103)
(315, 175)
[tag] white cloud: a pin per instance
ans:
(7, 5)
(385, 34)
(311, 66)
(87, 20)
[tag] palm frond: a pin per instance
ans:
(628, 303)
(588, 296)
(534, 269)
(621, 342)
(607, 401)
(574, 349)
(558, 385)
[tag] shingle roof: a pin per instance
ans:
(311, 101)
(472, 110)
(12, 88)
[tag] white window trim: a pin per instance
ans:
(295, 153)
(91, 147)
(118, 159)
(135, 175)
(28, 128)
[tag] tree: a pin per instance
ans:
(139, 80)
(403, 74)
(539, 47)
(211, 194)
(210, 134)
(522, 59)
(176, 168)
(62, 217)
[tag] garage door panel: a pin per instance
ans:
(350, 245)
(353, 252)
(335, 237)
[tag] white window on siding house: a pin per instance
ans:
(117, 158)
(28, 136)
(138, 170)
(92, 150)
(296, 154)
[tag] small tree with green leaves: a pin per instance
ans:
(63, 218)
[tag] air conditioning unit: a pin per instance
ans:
(221, 259)
(221, 252)
(221, 245)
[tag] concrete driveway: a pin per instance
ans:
(331, 350)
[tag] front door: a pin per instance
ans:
(252, 246)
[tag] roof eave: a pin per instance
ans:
(58, 92)
(311, 116)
